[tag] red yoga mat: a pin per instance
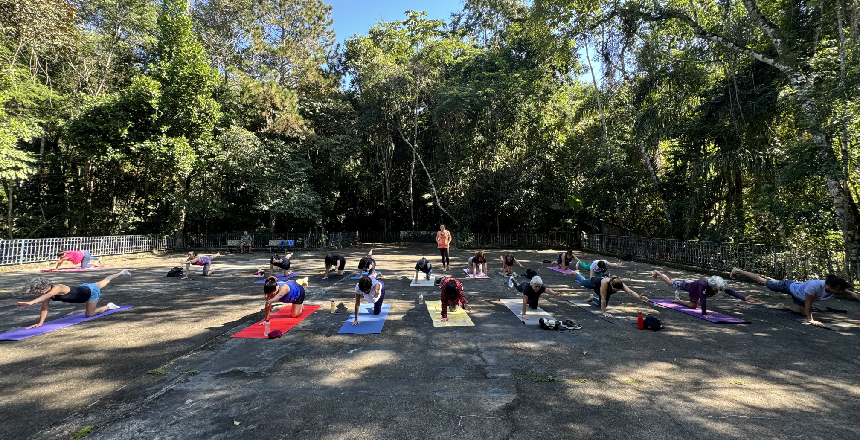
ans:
(279, 320)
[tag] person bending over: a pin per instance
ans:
(281, 262)
(564, 260)
(604, 287)
(423, 265)
(373, 291)
(508, 261)
(478, 263)
(199, 260)
(701, 290)
(452, 297)
(75, 257)
(599, 268)
(531, 292)
(368, 264)
(88, 293)
(803, 293)
(332, 261)
(289, 292)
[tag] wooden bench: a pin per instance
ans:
(232, 244)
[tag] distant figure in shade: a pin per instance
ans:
(452, 297)
(88, 293)
(75, 257)
(425, 266)
(245, 241)
(332, 261)
(701, 290)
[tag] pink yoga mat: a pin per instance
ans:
(73, 269)
(566, 272)
(480, 275)
(718, 318)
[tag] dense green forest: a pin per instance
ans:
(692, 119)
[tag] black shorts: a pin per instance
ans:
(284, 264)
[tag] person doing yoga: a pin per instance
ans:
(604, 287)
(803, 293)
(199, 260)
(478, 263)
(368, 264)
(88, 293)
(531, 292)
(373, 291)
(564, 260)
(75, 257)
(599, 268)
(443, 240)
(423, 265)
(700, 290)
(289, 292)
(508, 261)
(280, 262)
(452, 297)
(332, 261)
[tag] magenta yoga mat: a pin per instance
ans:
(566, 272)
(716, 317)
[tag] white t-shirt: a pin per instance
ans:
(811, 287)
(595, 267)
(369, 297)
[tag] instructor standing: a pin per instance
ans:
(443, 239)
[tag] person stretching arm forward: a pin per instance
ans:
(452, 296)
(199, 260)
(604, 287)
(423, 266)
(88, 293)
(700, 290)
(600, 268)
(373, 292)
(531, 292)
(290, 292)
(803, 294)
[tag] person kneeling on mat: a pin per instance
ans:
(425, 266)
(199, 260)
(452, 296)
(332, 260)
(373, 292)
(804, 293)
(368, 264)
(75, 257)
(88, 293)
(283, 263)
(508, 261)
(564, 260)
(604, 287)
(701, 290)
(531, 292)
(598, 268)
(478, 263)
(290, 292)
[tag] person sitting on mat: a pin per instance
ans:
(423, 266)
(373, 292)
(564, 260)
(803, 293)
(290, 292)
(245, 241)
(478, 263)
(508, 261)
(531, 292)
(443, 240)
(75, 257)
(452, 296)
(701, 290)
(199, 260)
(604, 287)
(332, 260)
(281, 262)
(88, 293)
(368, 264)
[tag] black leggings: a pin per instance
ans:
(446, 261)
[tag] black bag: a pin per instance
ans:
(652, 323)
(175, 272)
(529, 273)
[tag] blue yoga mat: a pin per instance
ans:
(280, 277)
(368, 323)
(357, 276)
(23, 333)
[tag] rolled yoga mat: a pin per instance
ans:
(357, 276)
(478, 276)
(23, 333)
(74, 269)
(280, 320)
(618, 317)
(516, 306)
(280, 277)
(458, 318)
(566, 272)
(368, 323)
(718, 318)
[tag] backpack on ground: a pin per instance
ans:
(652, 323)
(529, 273)
(175, 272)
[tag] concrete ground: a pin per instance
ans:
(772, 378)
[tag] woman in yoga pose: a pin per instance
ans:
(599, 268)
(423, 265)
(478, 263)
(452, 296)
(75, 257)
(332, 261)
(531, 292)
(373, 291)
(803, 293)
(368, 264)
(604, 287)
(564, 260)
(508, 261)
(88, 293)
(199, 260)
(290, 292)
(281, 262)
(700, 290)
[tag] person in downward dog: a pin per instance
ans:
(700, 290)
(88, 293)
(373, 291)
(531, 292)
(452, 297)
(289, 292)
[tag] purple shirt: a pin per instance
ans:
(700, 290)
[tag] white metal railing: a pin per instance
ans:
(37, 250)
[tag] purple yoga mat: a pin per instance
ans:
(566, 272)
(483, 275)
(718, 318)
(281, 277)
(23, 333)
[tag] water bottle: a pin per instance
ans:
(420, 298)
(640, 323)
(331, 307)
(266, 328)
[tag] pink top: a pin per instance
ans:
(75, 256)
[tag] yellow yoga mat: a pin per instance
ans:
(458, 318)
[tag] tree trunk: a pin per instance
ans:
(180, 214)
(653, 173)
(272, 218)
(10, 220)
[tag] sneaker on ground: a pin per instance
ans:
(511, 282)
(112, 306)
(126, 272)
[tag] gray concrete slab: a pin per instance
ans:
(772, 378)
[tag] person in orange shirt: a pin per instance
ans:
(443, 239)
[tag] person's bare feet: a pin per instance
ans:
(655, 274)
(782, 306)
(734, 273)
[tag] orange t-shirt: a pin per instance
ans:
(442, 239)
